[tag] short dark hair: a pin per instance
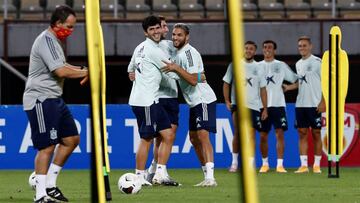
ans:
(270, 42)
(150, 21)
(183, 26)
(61, 13)
(305, 38)
(251, 43)
(162, 18)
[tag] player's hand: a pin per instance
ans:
(264, 114)
(170, 67)
(321, 107)
(285, 88)
(228, 105)
(84, 80)
(131, 76)
(203, 77)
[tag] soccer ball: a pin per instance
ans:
(32, 181)
(129, 183)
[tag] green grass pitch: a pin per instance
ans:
(272, 187)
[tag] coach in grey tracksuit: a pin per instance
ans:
(50, 120)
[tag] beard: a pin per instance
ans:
(249, 58)
(180, 45)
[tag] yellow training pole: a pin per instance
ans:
(237, 44)
(94, 57)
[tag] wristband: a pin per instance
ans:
(199, 77)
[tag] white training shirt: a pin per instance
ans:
(190, 60)
(275, 73)
(168, 87)
(146, 61)
(308, 71)
(255, 79)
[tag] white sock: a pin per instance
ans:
(209, 170)
(160, 169)
(235, 159)
(317, 160)
(252, 161)
(304, 160)
(152, 167)
(140, 174)
(166, 173)
(52, 175)
(204, 171)
(40, 186)
(280, 162)
(265, 161)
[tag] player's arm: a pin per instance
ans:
(263, 97)
(131, 68)
(290, 87)
(226, 93)
(70, 71)
(322, 106)
(192, 79)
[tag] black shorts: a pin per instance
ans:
(171, 106)
(50, 121)
(276, 118)
(151, 120)
(254, 116)
(307, 117)
(203, 117)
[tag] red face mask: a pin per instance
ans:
(63, 33)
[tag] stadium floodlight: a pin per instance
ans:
(236, 35)
(96, 57)
(334, 82)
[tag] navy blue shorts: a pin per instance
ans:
(50, 121)
(307, 117)
(276, 117)
(171, 106)
(151, 120)
(255, 117)
(203, 117)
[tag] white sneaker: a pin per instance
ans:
(200, 184)
(158, 179)
(233, 168)
(144, 182)
(209, 183)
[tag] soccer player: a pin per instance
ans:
(151, 117)
(309, 104)
(50, 119)
(256, 94)
(199, 96)
(167, 94)
(275, 72)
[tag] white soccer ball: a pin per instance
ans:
(32, 181)
(129, 183)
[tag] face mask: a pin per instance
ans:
(63, 33)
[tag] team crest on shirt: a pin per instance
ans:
(276, 69)
(53, 134)
(255, 72)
